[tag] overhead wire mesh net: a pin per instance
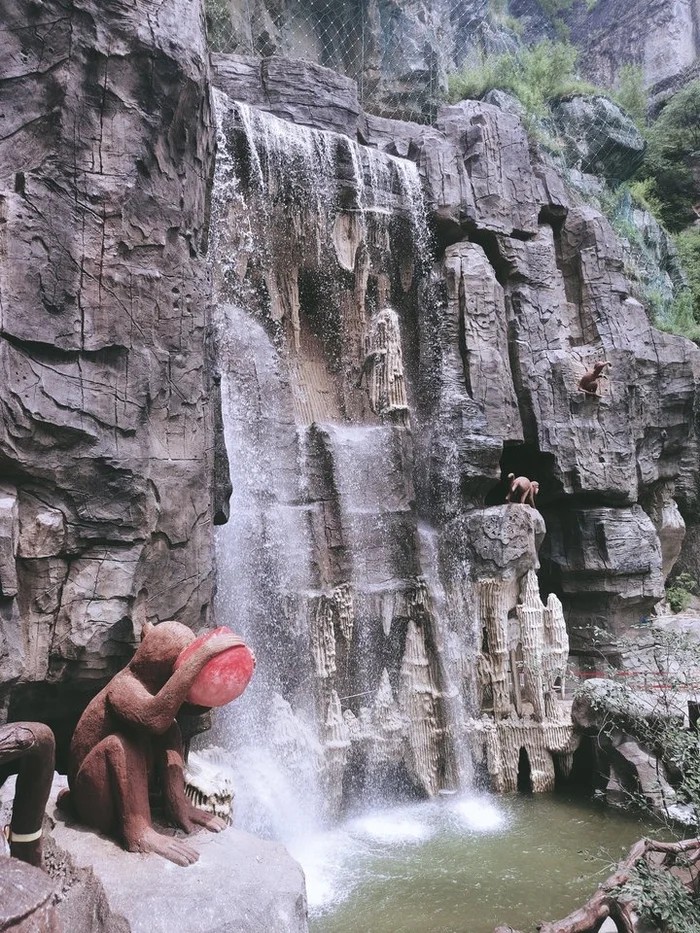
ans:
(409, 57)
(400, 54)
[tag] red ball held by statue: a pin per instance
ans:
(223, 678)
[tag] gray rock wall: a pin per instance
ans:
(401, 53)
(371, 515)
(106, 432)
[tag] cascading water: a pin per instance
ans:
(313, 238)
(362, 602)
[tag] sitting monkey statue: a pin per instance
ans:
(590, 381)
(27, 749)
(128, 736)
(522, 490)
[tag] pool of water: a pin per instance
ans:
(462, 865)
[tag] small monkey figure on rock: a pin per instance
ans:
(522, 490)
(27, 749)
(590, 381)
(128, 736)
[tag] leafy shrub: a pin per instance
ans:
(679, 318)
(535, 75)
(662, 899)
(673, 138)
(680, 591)
(219, 26)
(643, 192)
(688, 246)
(631, 94)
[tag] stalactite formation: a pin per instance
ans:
(384, 365)
(521, 668)
(209, 781)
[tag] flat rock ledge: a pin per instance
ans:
(241, 884)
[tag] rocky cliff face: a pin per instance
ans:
(106, 430)
(370, 554)
(404, 312)
(401, 53)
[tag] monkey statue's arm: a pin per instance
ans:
(27, 749)
(131, 700)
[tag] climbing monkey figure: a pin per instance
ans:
(27, 749)
(127, 737)
(590, 381)
(521, 489)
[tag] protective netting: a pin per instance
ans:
(401, 54)
(562, 65)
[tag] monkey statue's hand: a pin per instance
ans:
(219, 643)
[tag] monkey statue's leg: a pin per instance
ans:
(525, 495)
(182, 812)
(27, 749)
(110, 793)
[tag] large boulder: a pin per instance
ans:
(599, 137)
(621, 724)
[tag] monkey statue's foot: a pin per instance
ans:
(30, 852)
(208, 820)
(172, 849)
(191, 818)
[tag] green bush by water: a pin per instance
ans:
(680, 591)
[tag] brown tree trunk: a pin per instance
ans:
(606, 903)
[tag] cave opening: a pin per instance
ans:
(524, 772)
(584, 777)
(527, 460)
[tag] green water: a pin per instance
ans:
(464, 866)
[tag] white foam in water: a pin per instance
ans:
(393, 828)
(334, 865)
(479, 814)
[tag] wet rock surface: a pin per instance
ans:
(379, 387)
(389, 466)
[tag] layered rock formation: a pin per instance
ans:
(106, 428)
(391, 399)
(401, 53)
(379, 385)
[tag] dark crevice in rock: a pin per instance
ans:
(47, 353)
(584, 777)
(527, 460)
(524, 772)
(488, 241)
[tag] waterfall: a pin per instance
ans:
(318, 247)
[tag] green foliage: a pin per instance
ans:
(673, 139)
(688, 246)
(643, 192)
(536, 75)
(679, 592)
(554, 9)
(679, 318)
(501, 14)
(631, 94)
(219, 26)
(662, 900)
